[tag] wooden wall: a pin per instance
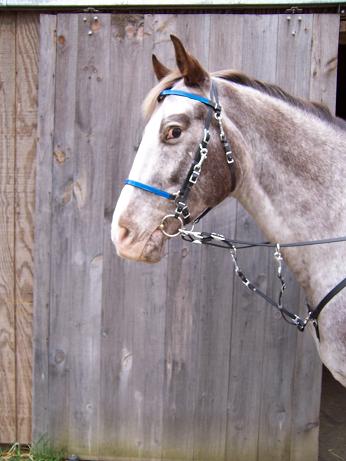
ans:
(188, 365)
(19, 41)
(176, 360)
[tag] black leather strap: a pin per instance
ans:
(329, 296)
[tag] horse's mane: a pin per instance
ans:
(319, 110)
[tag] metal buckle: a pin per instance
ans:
(218, 110)
(229, 157)
(183, 210)
(163, 222)
(194, 176)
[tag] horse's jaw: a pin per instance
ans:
(149, 249)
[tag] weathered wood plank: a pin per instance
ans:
(210, 299)
(78, 193)
(259, 60)
(185, 389)
(134, 294)
(279, 360)
(247, 313)
(42, 253)
(27, 43)
(308, 365)
(62, 156)
(324, 59)
(8, 407)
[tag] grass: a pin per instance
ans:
(40, 451)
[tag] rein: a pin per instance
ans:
(219, 241)
(182, 214)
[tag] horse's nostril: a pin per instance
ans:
(123, 233)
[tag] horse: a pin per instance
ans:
(285, 162)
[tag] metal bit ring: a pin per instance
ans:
(163, 222)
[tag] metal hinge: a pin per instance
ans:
(294, 10)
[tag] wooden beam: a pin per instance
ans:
(7, 235)
(27, 43)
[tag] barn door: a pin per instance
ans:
(176, 360)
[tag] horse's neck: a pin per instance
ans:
(294, 185)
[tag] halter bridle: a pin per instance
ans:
(182, 212)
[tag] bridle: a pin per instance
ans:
(182, 214)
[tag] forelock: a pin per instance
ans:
(151, 99)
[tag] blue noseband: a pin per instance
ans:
(152, 189)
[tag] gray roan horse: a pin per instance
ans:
(288, 169)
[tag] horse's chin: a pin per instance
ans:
(149, 251)
(153, 249)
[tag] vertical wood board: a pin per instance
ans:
(305, 426)
(43, 223)
(26, 134)
(8, 404)
(19, 43)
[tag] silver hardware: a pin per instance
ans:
(195, 235)
(182, 210)
(95, 18)
(233, 252)
(229, 157)
(204, 154)
(278, 257)
(194, 176)
(206, 136)
(218, 236)
(294, 10)
(164, 222)
(197, 168)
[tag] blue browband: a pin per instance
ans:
(152, 189)
(196, 97)
(185, 94)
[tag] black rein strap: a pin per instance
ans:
(218, 240)
(314, 313)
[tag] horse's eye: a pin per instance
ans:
(174, 132)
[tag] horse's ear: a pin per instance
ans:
(190, 68)
(160, 70)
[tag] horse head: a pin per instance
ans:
(166, 157)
